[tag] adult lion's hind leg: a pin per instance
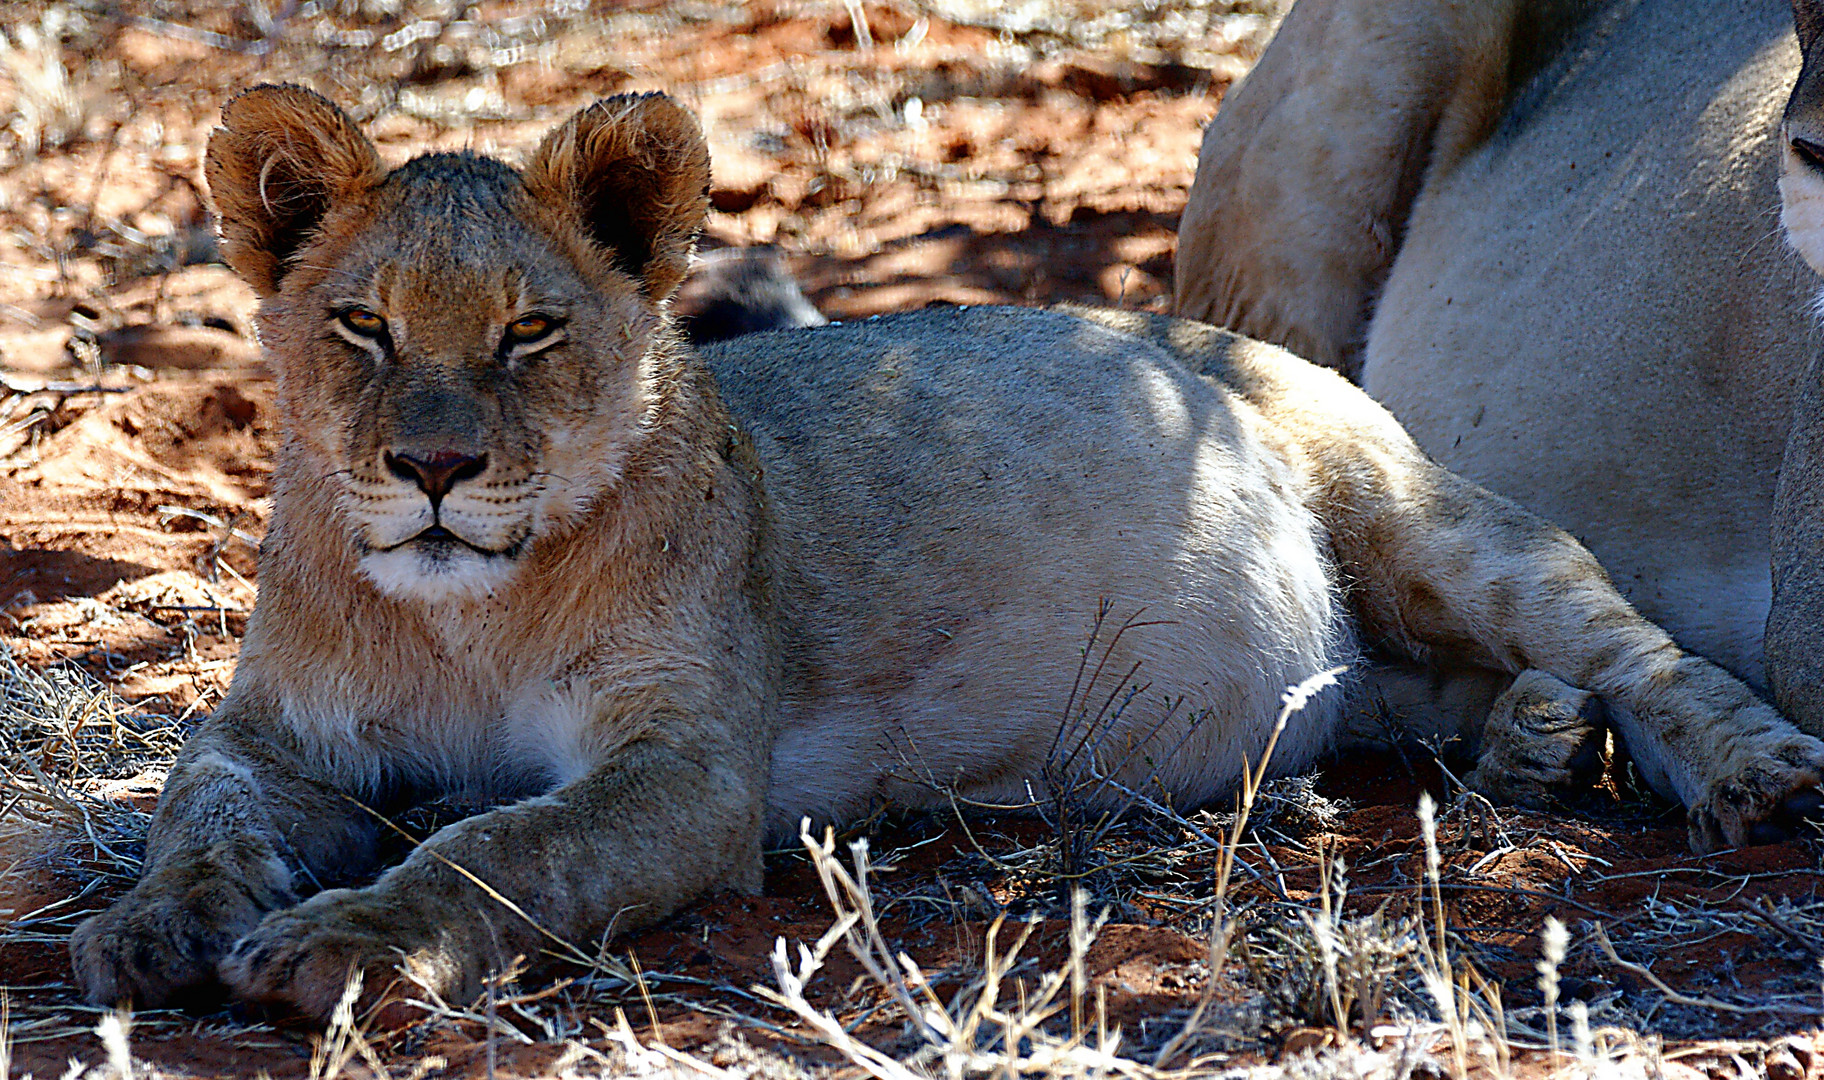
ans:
(1308, 171)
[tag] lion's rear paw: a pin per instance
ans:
(1543, 738)
(1769, 800)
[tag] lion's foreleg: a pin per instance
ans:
(239, 832)
(644, 833)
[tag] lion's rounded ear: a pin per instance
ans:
(282, 157)
(632, 172)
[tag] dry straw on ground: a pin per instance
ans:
(1396, 995)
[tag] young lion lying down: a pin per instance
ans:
(527, 549)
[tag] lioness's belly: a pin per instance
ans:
(1593, 314)
(1011, 536)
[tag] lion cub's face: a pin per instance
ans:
(465, 352)
(476, 391)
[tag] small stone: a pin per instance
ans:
(1781, 1064)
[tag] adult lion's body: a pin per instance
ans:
(1545, 235)
(527, 549)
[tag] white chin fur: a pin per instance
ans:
(436, 575)
(1802, 212)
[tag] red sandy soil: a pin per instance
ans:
(1034, 169)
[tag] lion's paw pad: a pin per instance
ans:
(1774, 798)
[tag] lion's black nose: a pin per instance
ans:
(435, 474)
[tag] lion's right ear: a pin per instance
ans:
(282, 157)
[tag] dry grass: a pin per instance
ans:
(1398, 994)
(66, 743)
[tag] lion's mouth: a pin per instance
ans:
(436, 536)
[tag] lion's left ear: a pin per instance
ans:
(634, 171)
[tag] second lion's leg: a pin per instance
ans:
(1444, 570)
(1542, 738)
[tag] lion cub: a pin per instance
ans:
(658, 607)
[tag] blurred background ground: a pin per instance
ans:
(895, 154)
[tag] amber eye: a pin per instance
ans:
(529, 328)
(363, 322)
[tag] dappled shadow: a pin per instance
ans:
(1120, 259)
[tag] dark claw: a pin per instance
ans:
(1807, 805)
(1766, 832)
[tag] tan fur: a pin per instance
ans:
(1795, 621)
(804, 574)
(1291, 238)
(1575, 294)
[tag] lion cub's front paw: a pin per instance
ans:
(164, 938)
(1543, 738)
(1765, 801)
(303, 958)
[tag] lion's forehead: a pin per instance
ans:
(452, 232)
(465, 269)
(452, 186)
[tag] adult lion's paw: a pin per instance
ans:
(164, 938)
(1765, 801)
(303, 959)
